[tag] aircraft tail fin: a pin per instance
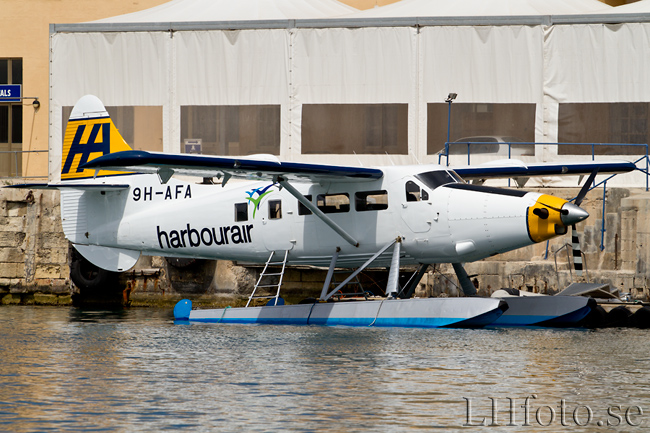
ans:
(90, 133)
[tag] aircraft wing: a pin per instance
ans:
(252, 167)
(517, 169)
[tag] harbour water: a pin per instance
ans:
(65, 369)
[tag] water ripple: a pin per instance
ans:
(74, 370)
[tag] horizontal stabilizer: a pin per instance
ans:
(111, 259)
(82, 186)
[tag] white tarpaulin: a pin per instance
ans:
(358, 66)
(598, 63)
(442, 8)
(239, 10)
(122, 69)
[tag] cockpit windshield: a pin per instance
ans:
(434, 179)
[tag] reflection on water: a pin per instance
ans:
(67, 369)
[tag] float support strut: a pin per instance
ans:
(393, 274)
(361, 268)
(463, 279)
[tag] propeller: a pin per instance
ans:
(575, 239)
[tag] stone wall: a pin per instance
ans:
(33, 251)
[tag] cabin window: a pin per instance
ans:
(434, 179)
(275, 209)
(302, 209)
(414, 193)
(371, 200)
(241, 212)
(333, 203)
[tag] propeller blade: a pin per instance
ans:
(575, 239)
(585, 187)
(577, 252)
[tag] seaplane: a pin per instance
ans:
(118, 204)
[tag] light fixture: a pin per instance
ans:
(449, 99)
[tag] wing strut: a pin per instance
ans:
(309, 205)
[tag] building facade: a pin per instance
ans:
(25, 60)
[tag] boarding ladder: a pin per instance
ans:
(266, 275)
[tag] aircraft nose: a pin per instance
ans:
(572, 214)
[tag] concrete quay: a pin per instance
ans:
(35, 259)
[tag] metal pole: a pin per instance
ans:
(448, 131)
(449, 100)
(602, 230)
(448, 121)
(647, 167)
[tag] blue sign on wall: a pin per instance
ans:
(10, 92)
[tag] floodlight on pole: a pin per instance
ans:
(449, 100)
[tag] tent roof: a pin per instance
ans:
(442, 8)
(239, 10)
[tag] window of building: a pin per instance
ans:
(302, 209)
(275, 209)
(371, 200)
(11, 121)
(140, 126)
(333, 203)
(612, 123)
(355, 128)
(505, 123)
(233, 129)
(241, 212)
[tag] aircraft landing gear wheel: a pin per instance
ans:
(87, 276)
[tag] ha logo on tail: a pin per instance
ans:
(90, 133)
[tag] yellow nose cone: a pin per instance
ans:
(545, 218)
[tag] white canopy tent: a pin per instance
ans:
(408, 56)
(240, 10)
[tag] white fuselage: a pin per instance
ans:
(457, 223)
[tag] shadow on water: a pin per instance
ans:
(103, 315)
(96, 316)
